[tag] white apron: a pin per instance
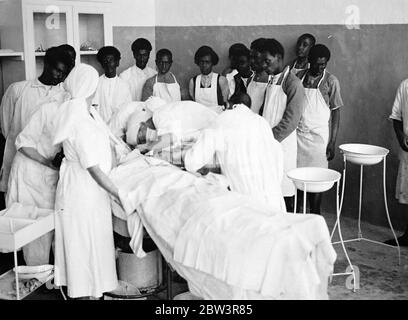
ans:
(170, 92)
(275, 105)
(295, 71)
(256, 90)
(313, 130)
(84, 248)
(207, 96)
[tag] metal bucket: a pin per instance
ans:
(143, 273)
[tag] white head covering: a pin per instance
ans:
(133, 125)
(81, 83)
(155, 103)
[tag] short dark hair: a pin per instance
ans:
(164, 52)
(319, 51)
(236, 49)
(243, 52)
(55, 55)
(274, 47)
(206, 51)
(257, 44)
(141, 44)
(70, 49)
(108, 50)
(307, 36)
(241, 97)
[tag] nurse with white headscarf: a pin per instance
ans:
(84, 248)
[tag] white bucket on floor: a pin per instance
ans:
(143, 273)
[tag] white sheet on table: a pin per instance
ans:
(195, 218)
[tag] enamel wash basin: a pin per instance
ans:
(363, 154)
(316, 179)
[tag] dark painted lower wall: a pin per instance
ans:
(123, 38)
(369, 62)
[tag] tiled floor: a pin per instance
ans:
(380, 277)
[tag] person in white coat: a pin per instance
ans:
(34, 173)
(318, 127)
(399, 117)
(248, 154)
(22, 99)
(84, 248)
(163, 85)
(112, 92)
(284, 103)
(137, 75)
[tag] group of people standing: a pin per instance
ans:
(58, 155)
(301, 101)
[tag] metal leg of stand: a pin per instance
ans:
(341, 238)
(388, 214)
(342, 192)
(16, 265)
(360, 235)
(304, 197)
(295, 204)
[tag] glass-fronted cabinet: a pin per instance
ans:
(32, 26)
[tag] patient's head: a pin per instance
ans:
(240, 98)
(147, 132)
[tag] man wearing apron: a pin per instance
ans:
(245, 75)
(284, 104)
(163, 85)
(316, 138)
(208, 88)
(257, 87)
(399, 116)
(303, 45)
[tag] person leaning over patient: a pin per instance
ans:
(246, 150)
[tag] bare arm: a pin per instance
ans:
(191, 89)
(224, 88)
(103, 180)
(34, 155)
(334, 128)
(147, 89)
(399, 132)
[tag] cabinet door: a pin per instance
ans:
(44, 26)
(92, 31)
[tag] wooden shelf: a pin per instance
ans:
(13, 55)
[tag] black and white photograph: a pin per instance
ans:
(186, 151)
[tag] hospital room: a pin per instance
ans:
(173, 150)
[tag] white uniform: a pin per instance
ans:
(20, 102)
(84, 249)
(274, 108)
(32, 183)
(249, 155)
(400, 112)
(111, 95)
(136, 78)
(169, 92)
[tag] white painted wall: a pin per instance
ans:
(279, 12)
(131, 13)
